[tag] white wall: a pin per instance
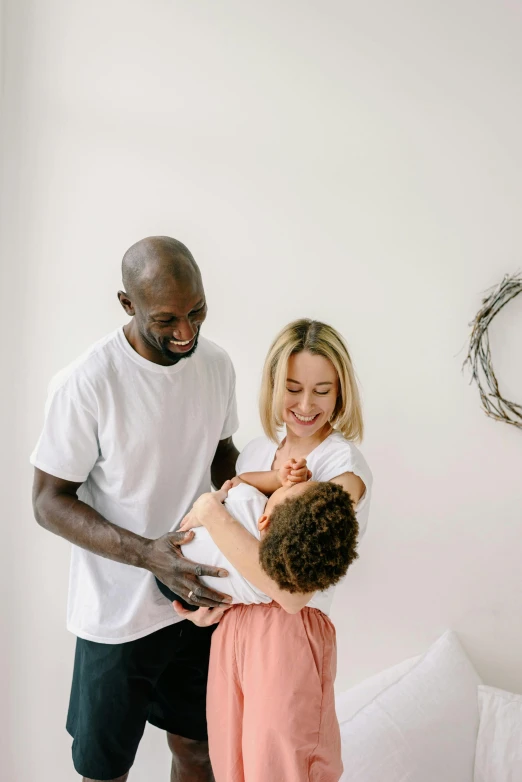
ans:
(355, 162)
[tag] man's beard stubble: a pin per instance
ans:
(176, 357)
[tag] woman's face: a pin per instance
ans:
(311, 393)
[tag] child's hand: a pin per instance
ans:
(294, 471)
(222, 494)
(205, 507)
(189, 522)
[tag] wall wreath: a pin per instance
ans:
(479, 353)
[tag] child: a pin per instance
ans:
(331, 542)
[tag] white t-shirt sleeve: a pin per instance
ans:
(256, 456)
(231, 423)
(336, 459)
(334, 463)
(244, 458)
(68, 445)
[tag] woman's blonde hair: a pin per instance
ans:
(319, 339)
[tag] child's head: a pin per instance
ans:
(309, 382)
(308, 536)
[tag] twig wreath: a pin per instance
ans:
(479, 353)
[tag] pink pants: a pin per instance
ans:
(270, 698)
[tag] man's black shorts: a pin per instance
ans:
(117, 688)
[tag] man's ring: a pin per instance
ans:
(191, 595)
(199, 570)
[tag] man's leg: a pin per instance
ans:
(113, 686)
(179, 704)
(190, 760)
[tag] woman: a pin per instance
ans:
(270, 701)
(309, 387)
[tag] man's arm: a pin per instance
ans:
(223, 466)
(58, 509)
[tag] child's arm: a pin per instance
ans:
(267, 482)
(241, 549)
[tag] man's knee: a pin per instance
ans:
(189, 751)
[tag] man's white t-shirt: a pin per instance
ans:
(333, 457)
(141, 438)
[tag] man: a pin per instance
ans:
(135, 430)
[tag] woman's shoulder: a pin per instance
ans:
(339, 442)
(338, 453)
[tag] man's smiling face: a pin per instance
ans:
(165, 298)
(169, 316)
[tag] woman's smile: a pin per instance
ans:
(305, 420)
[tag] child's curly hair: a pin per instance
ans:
(311, 540)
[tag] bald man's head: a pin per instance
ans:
(151, 260)
(164, 295)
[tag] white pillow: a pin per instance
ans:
(499, 743)
(423, 728)
(350, 702)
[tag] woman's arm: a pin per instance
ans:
(351, 483)
(242, 549)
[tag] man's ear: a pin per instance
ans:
(126, 303)
(263, 523)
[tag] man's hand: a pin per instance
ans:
(204, 508)
(294, 471)
(203, 617)
(165, 560)
(58, 509)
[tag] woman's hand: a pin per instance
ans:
(294, 471)
(205, 508)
